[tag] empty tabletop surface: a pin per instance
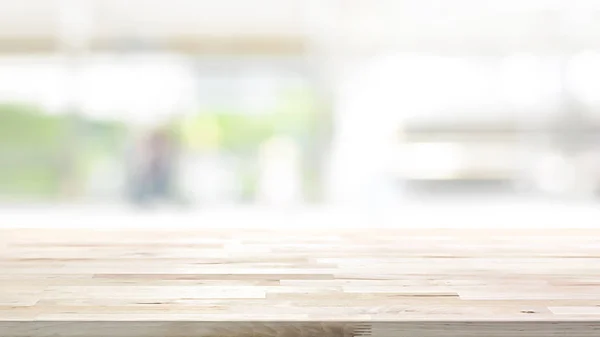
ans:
(299, 275)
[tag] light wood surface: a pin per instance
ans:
(259, 275)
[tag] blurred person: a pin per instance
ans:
(154, 168)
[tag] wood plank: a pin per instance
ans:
(158, 279)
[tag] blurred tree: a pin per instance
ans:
(32, 145)
(27, 127)
(241, 133)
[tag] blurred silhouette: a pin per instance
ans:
(153, 174)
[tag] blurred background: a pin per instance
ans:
(278, 104)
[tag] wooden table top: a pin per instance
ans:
(251, 275)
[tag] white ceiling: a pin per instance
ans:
(32, 18)
(364, 24)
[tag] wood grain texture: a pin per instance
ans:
(71, 276)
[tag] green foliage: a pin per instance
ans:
(26, 127)
(294, 115)
(39, 181)
(35, 146)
